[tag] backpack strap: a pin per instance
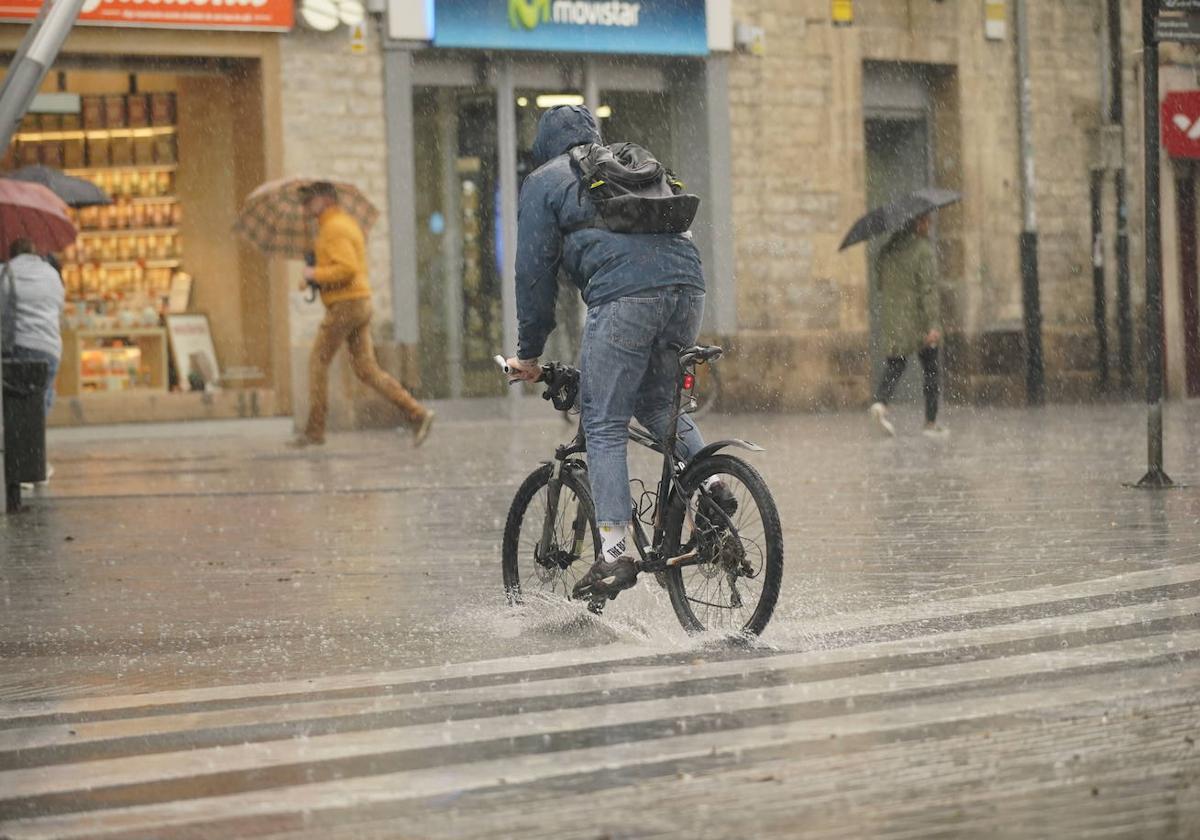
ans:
(581, 159)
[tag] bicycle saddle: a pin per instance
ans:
(700, 352)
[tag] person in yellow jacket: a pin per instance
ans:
(340, 273)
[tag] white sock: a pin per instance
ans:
(612, 542)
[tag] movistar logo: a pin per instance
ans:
(527, 14)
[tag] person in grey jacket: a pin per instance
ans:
(644, 293)
(32, 297)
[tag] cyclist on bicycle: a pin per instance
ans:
(644, 295)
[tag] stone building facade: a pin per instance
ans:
(801, 115)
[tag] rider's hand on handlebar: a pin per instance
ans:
(527, 370)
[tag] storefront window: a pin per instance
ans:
(642, 117)
(174, 152)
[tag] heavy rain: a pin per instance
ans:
(589, 419)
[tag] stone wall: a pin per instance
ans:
(799, 183)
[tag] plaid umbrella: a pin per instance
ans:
(33, 212)
(273, 216)
(75, 192)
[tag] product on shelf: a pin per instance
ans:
(51, 153)
(120, 143)
(97, 138)
(73, 150)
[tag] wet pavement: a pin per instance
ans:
(205, 634)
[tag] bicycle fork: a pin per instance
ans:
(579, 525)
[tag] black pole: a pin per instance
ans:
(1124, 294)
(1035, 375)
(1035, 372)
(1099, 304)
(1155, 476)
(1116, 113)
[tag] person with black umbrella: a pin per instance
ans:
(910, 319)
(910, 311)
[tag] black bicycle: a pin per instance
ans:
(714, 541)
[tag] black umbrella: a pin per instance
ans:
(75, 192)
(894, 216)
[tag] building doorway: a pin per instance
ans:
(899, 159)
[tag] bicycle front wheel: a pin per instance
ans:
(734, 545)
(575, 539)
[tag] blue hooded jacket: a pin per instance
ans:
(604, 265)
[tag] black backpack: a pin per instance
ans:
(632, 191)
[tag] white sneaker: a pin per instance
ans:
(421, 430)
(879, 413)
(936, 431)
(30, 486)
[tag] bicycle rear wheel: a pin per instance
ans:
(733, 585)
(574, 545)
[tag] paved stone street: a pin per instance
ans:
(207, 635)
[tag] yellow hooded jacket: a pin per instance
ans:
(341, 251)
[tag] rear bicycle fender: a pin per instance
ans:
(716, 447)
(676, 501)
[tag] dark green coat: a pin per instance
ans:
(908, 294)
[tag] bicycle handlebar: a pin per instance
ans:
(561, 381)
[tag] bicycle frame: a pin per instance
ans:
(672, 469)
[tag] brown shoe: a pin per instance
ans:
(421, 430)
(304, 441)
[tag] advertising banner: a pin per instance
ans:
(260, 15)
(650, 27)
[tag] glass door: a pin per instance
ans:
(458, 259)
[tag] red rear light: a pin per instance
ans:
(689, 381)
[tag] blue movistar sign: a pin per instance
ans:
(658, 27)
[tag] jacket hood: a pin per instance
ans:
(562, 128)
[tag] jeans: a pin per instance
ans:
(629, 370)
(349, 322)
(895, 369)
(28, 354)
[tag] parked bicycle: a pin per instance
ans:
(718, 555)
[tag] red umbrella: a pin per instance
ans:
(33, 212)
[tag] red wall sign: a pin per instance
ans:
(268, 15)
(1181, 124)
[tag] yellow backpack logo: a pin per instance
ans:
(527, 14)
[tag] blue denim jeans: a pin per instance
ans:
(629, 370)
(28, 354)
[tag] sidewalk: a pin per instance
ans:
(193, 554)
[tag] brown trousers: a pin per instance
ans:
(349, 322)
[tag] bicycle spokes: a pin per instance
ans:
(723, 578)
